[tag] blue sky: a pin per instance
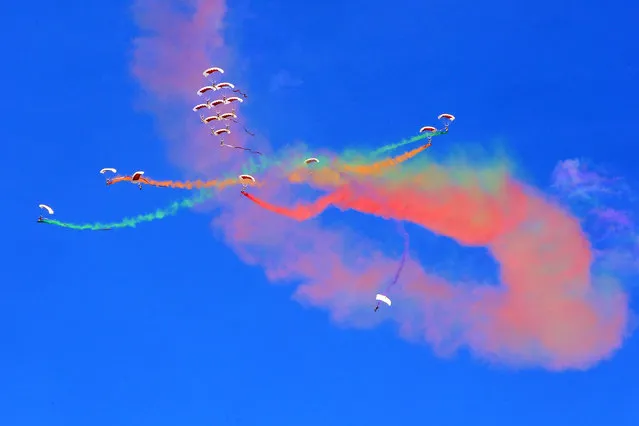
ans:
(164, 325)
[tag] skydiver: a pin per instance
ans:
(40, 219)
(109, 182)
(376, 308)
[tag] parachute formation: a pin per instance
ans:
(212, 113)
(220, 102)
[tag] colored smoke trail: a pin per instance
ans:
(394, 146)
(380, 166)
(132, 222)
(335, 175)
(548, 309)
(402, 261)
(198, 184)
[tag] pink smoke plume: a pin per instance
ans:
(548, 310)
(180, 39)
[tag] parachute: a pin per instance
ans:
(218, 132)
(228, 115)
(108, 169)
(207, 72)
(200, 106)
(218, 102)
(233, 99)
(205, 89)
(311, 160)
(427, 129)
(382, 298)
(448, 118)
(224, 86)
(136, 176)
(207, 120)
(246, 180)
(47, 208)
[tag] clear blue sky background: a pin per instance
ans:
(164, 326)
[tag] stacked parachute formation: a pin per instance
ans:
(218, 116)
(218, 119)
(213, 114)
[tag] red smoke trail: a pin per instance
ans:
(548, 309)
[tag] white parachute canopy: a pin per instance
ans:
(108, 169)
(382, 298)
(47, 208)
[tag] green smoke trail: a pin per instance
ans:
(393, 146)
(132, 222)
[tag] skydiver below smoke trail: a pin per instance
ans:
(402, 230)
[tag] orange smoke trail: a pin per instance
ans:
(332, 177)
(198, 184)
(380, 166)
(549, 309)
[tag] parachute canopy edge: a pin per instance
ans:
(427, 129)
(212, 70)
(382, 298)
(47, 208)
